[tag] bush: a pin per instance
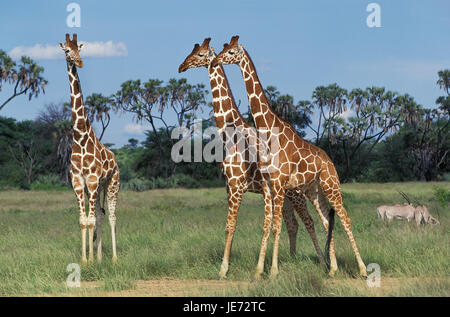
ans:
(442, 195)
(48, 182)
(174, 181)
(136, 184)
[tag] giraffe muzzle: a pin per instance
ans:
(182, 68)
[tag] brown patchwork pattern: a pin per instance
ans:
(309, 168)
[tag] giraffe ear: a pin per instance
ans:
(241, 48)
(211, 51)
(80, 47)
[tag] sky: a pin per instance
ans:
(295, 45)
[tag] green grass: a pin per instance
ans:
(179, 234)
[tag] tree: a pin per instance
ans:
(132, 143)
(25, 153)
(98, 108)
(26, 77)
(351, 124)
(283, 105)
(330, 101)
(429, 142)
(151, 100)
(56, 120)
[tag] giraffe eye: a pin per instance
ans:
(231, 52)
(201, 55)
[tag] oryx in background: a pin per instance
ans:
(407, 211)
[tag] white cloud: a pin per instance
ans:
(347, 113)
(104, 49)
(90, 49)
(37, 52)
(135, 129)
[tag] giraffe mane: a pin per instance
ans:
(264, 97)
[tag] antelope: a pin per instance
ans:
(423, 215)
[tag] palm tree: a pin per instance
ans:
(26, 77)
(98, 108)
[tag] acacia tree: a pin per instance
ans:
(370, 115)
(150, 102)
(25, 153)
(57, 121)
(98, 109)
(26, 77)
(330, 102)
(284, 106)
(429, 138)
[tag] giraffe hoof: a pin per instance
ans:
(222, 276)
(273, 274)
(84, 261)
(114, 259)
(256, 278)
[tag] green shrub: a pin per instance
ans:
(185, 181)
(48, 182)
(136, 184)
(442, 195)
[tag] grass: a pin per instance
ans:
(179, 234)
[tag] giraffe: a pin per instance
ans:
(242, 174)
(293, 163)
(93, 165)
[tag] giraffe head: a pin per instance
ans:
(201, 55)
(72, 50)
(232, 53)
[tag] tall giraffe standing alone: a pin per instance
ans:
(294, 164)
(93, 165)
(241, 174)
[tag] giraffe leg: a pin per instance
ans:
(345, 220)
(266, 229)
(112, 193)
(99, 216)
(334, 196)
(93, 185)
(78, 186)
(234, 201)
(291, 224)
(317, 198)
(299, 203)
(278, 200)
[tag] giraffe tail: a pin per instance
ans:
(331, 214)
(102, 210)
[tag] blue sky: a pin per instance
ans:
(296, 45)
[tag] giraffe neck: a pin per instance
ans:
(81, 124)
(263, 114)
(226, 112)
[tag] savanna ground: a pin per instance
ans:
(170, 243)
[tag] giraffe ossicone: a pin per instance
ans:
(93, 166)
